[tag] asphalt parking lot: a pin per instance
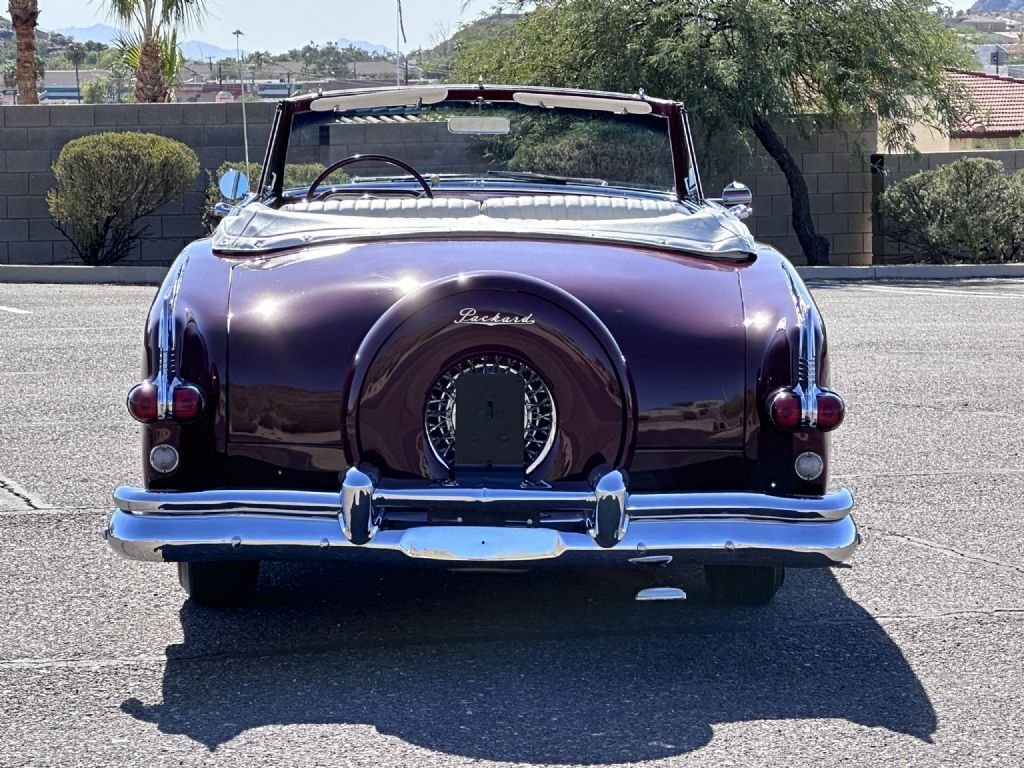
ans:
(914, 656)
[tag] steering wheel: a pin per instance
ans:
(310, 195)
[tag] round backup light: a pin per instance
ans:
(164, 458)
(809, 466)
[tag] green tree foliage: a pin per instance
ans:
(328, 60)
(97, 90)
(742, 66)
(582, 148)
(108, 181)
(967, 210)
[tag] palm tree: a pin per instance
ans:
(76, 54)
(24, 15)
(130, 49)
(154, 21)
(257, 59)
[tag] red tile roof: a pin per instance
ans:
(998, 104)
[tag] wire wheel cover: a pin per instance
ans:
(538, 408)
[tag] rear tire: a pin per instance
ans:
(219, 584)
(744, 584)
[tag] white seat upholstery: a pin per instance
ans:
(576, 208)
(392, 207)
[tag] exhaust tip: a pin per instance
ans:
(659, 594)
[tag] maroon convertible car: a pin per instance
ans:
(483, 327)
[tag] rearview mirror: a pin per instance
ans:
(234, 185)
(479, 126)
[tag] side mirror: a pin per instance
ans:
(738, 199)
(234, 185)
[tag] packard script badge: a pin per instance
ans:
(469, 316)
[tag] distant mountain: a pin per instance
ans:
(197, 50)
(366, 46)
(997, 6)
(97, 33)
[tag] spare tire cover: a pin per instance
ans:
(491, 314)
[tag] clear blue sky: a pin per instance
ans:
(277, 26)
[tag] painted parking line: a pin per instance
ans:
(921, 291)
(14, 310)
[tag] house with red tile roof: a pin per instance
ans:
(995, 119)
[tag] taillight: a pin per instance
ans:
(831, 410)
(785, 410)
(142, 402)
(188, 402)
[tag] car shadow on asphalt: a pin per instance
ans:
(541, 667)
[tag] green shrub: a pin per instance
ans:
(967, 210)
(108, 181)
(295, 176)
(584, 148)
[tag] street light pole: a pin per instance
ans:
(399, 37)
(241, 85)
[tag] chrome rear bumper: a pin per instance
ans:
(298, 525)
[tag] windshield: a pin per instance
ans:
(479, 141)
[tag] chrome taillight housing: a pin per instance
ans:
(791, 409)
(184, 404)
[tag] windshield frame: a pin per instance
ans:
(686, 177)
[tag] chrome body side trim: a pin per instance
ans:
(229, 536)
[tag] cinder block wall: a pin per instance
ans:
(31, 138)
(838, 180)
(890, 168)
(836, 166)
